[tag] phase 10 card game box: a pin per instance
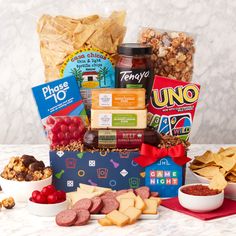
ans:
(172, 106)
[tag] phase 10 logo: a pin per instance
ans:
(163, 177)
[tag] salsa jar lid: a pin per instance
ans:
(131, 49)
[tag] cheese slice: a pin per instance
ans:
(117, 119)
(102, 189)
(117, 218)
(118, 98)
(125, 203)
(80, 194)
(133, 214)
(87, 188)
(151, 206)
(126, 195)
(139, 203)
(105, 222)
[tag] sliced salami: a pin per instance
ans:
(143, 192)
(97, 205)
(154, 194)
(108, 195)
(83, 216)
(109, 205)
(84, 203)
(66, 218)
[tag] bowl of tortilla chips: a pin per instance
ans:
(218, 169)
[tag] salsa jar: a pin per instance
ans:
(134, 67)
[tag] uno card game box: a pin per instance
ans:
(172, 106)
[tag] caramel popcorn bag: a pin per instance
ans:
(172, 52)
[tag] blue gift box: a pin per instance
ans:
(114, 170)
(165, 177)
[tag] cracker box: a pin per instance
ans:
(172, 106)
(114, 170)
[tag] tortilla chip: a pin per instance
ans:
(220, 150)
(208, 171)
(226, 162)
(231, 178)
(205, 158)
(218, 182)
(229, 152)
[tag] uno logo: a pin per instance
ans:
(179, 95)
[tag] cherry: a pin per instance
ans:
(34, 194)
(60, 136)
(52, 198)
(76, 120)
(76, 134)
(61, 195)
(48, 190)
(67, 136)
(59, 119)
(50, 120)
(57, 127)
(40, 198)
(67, 120)
(72, 128)
(64, 128)
(64, 142)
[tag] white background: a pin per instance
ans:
(213, 21)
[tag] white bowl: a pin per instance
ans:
(22, 190)
(46, 209)
(200, 203)
(230, 190)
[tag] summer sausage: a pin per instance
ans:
(121, 138)
(143, 192)
(154, 194)
(66, 218)
(108, 195)
(83, 216)
(109, 205)
(97, 205)
(84, 203)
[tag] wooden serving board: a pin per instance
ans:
(142, 217)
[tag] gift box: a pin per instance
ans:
(164, 168)
(113, 170)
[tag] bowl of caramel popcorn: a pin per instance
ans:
(24, 174)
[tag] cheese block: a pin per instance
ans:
(118, 98)
(102, 189)
(126, 195)
(117, 218)
(150, 206)
(139, 203)
(125, 203)
(105, 222)
(133, 214)
(118, 119)
(157, 199)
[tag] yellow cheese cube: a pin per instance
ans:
(101, 189)
(105, 222)
(133, 214)
(118, 218)
(126, 195)
(158, 199)
(139, 203)
(125, 203)
(151, 206)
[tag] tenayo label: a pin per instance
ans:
(91, 67)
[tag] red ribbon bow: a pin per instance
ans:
(150, 154)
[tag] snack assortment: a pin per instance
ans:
(26, 168)
(116, 207)
(172, 52)
(219, 168)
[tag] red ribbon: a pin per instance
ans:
(150, 154)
